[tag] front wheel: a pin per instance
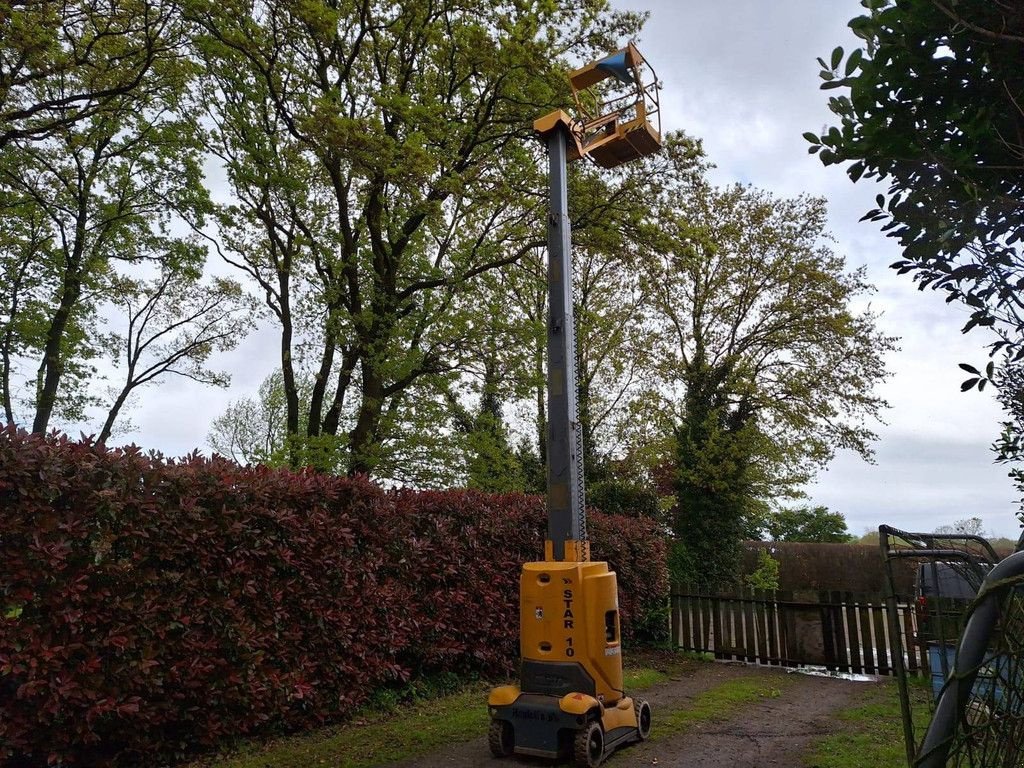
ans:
(643, 718)
(588, 748)
(500, 738)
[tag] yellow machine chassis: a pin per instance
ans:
(571, 672)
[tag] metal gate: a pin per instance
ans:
(979, 714)
(975, 646)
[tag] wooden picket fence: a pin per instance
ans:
(841, 631)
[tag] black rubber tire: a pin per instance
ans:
(643, 718)
(500, 738)
(588, 747)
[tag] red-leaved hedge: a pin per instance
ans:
(153, 608)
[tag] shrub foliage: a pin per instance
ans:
(150, 608)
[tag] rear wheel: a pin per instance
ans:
(500, 738)
(588, 748)
(643, 718)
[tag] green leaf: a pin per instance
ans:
(837, 56)
(812, 137)
(854, 61)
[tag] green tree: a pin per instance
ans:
(608, 306)
(807, 523)
(932, 105)
(503, 367)
(252, 430)
(766, 575)
(613, 355)
(510, 306)
(756, 325)
(65, 62)
(611, 219)
(25, 235)
(869, 538)
(379, 155)
(625, 489)
(424, 451)
(491, 463)
(87, 198)
(612, 224)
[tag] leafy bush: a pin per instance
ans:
(766, 575)
(150, 608)
(624, 497)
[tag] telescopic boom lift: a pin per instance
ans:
(570, 700)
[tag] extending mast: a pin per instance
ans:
(619, 130)
(567, 522)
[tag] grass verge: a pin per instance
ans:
(871, 733)
(394, 729)
(376, 738)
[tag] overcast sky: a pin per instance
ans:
(742, 76)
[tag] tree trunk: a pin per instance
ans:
(112, 414)
(363, 435)
(333, 417)
(291, 391)
(52, 366)
(316, 397)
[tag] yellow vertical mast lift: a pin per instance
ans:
(570, 701)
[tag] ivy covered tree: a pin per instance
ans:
(492, 464)
(932, 106)
(757, 329)
(716, 479)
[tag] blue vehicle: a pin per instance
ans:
(943, 592)
(988, 684)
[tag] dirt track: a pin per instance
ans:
(775, 730)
